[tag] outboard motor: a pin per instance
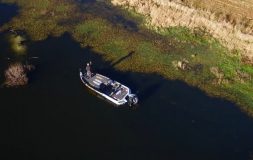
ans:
(132, 99)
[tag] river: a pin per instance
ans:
(56, 117)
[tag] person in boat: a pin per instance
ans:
(91, 68)
(88, 72)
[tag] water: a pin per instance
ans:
(7, 12)
(56, 117)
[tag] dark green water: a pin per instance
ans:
(7, 12)
(56, 117)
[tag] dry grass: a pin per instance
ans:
(163, 13)
(238, 13)
(15, 75)
(235, 8)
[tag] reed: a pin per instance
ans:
(163, 13)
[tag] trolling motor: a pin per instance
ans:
(132, 99)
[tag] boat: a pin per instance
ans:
(111, 90)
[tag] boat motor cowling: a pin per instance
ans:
(132, 99)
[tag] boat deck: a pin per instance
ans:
(96, 80)
(107, 86)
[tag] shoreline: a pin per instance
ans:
(160, 26)
(175, 53)
(164, 14)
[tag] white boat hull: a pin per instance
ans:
(114, 101)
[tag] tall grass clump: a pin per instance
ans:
(163, 13)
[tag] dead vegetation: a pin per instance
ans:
(16, 74)
(235, 34)
(238, 13)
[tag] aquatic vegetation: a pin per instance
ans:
(17, 45)
(41, 18)
(91, 30)
(175, 52)
(116, 48)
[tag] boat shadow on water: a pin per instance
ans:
(172, 118)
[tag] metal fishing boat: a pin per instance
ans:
(109, 89)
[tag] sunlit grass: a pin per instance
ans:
(91, 28)
(62, 8)
(116, 47)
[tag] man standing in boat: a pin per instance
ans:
(88, 67)
(91, 69)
